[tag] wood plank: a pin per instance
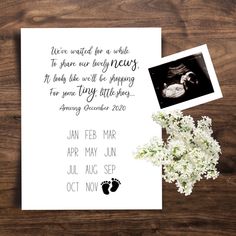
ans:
(210, 210)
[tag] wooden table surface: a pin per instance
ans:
(211, 209)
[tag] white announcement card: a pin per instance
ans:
(87, 102)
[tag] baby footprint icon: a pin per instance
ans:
(115, 184)
(105, 187)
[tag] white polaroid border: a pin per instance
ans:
(211, 71)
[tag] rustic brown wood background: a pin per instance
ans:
(211, 209)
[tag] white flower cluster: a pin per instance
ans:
(189, 154)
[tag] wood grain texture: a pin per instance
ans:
(211, 209)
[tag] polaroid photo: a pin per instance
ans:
(185, 79)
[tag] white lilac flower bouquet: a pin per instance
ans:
(189, 154)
